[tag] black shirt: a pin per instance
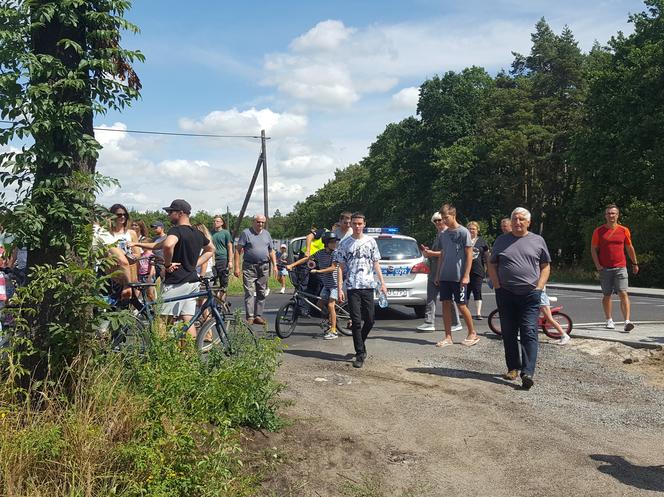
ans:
(480, 250)
(186, 252)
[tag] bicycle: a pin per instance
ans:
(290, 313)
(561, 318)
(211, 335)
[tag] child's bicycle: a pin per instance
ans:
(561, 318)
(292, 311)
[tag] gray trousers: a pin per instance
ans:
(432, 300)
(254, 279)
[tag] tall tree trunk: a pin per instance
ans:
(45, 41)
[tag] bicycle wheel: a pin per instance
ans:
(343, 316)
(286, 319)
(132, 337)
(494, 322)
(212, 335)
(563, 320)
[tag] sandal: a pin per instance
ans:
(469, 342)
(444, 343)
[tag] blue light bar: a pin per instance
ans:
(388, 230)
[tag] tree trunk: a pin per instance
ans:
(45, 39)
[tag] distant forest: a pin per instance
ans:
(563, 133)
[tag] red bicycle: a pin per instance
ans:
(560, 317)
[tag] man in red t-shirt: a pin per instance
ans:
(608, 252)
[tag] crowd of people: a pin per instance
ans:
(345, 263)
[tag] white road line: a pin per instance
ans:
(602, 323)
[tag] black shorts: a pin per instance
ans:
(475, 286)
(453, 290)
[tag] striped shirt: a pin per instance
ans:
(323, 259)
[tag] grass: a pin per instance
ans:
(235, 285)
(574, 274)
(166, 425)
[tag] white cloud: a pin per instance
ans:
(406, 99)
(247, 122)
(299, 160)
(210, 179)
(332, 66)
(326, 36)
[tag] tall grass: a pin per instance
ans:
(162, 425)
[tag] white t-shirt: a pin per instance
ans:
(357, 258)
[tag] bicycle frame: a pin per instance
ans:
(209, 303)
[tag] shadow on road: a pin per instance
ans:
(316, 354)
(416, 341)
(464, 374)
(643, 477)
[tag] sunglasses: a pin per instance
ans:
(437, 220)
(121, 214)
(259, 222)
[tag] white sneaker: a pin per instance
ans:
(426, 327)
(267, 292)
(564, 339)
(629, 326)
(330, 336)
(610, 325)
(282, 290)
(457, 327)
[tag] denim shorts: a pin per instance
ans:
(544, 300)
(329, 293)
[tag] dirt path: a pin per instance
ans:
(419, 421)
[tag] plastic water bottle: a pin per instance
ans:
(382, 300)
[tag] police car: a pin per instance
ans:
(403, 267)
(402, 264)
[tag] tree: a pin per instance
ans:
(61, 63)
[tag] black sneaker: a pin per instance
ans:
(526, 381)
(359, 360)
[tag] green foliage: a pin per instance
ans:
(61, 63)
(72, 325)
(163, 426)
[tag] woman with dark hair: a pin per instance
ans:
(116, 237)
(140, 229)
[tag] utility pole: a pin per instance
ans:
(264, 156)
(262, 161)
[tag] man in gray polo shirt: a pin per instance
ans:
(255, 248)
(519, 268)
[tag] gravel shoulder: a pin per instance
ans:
(423, 421)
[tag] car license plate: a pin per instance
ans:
(396, 292)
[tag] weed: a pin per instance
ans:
(161, 425)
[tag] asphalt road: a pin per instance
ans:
(582, 307)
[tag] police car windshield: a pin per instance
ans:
(396, 249)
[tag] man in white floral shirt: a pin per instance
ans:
(358, 256)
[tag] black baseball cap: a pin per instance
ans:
(179, 205)
(157, 224)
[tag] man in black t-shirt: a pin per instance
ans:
(184, 248)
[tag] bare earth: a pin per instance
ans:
(423, 421)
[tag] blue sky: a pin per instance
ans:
(324, 78)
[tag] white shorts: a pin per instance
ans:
(180, 307)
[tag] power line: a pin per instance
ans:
(168, 133)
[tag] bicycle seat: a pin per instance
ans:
(141, 285)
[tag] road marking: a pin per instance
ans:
(602, 323)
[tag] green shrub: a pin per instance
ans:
(161, 425)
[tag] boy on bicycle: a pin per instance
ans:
(324, 266)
